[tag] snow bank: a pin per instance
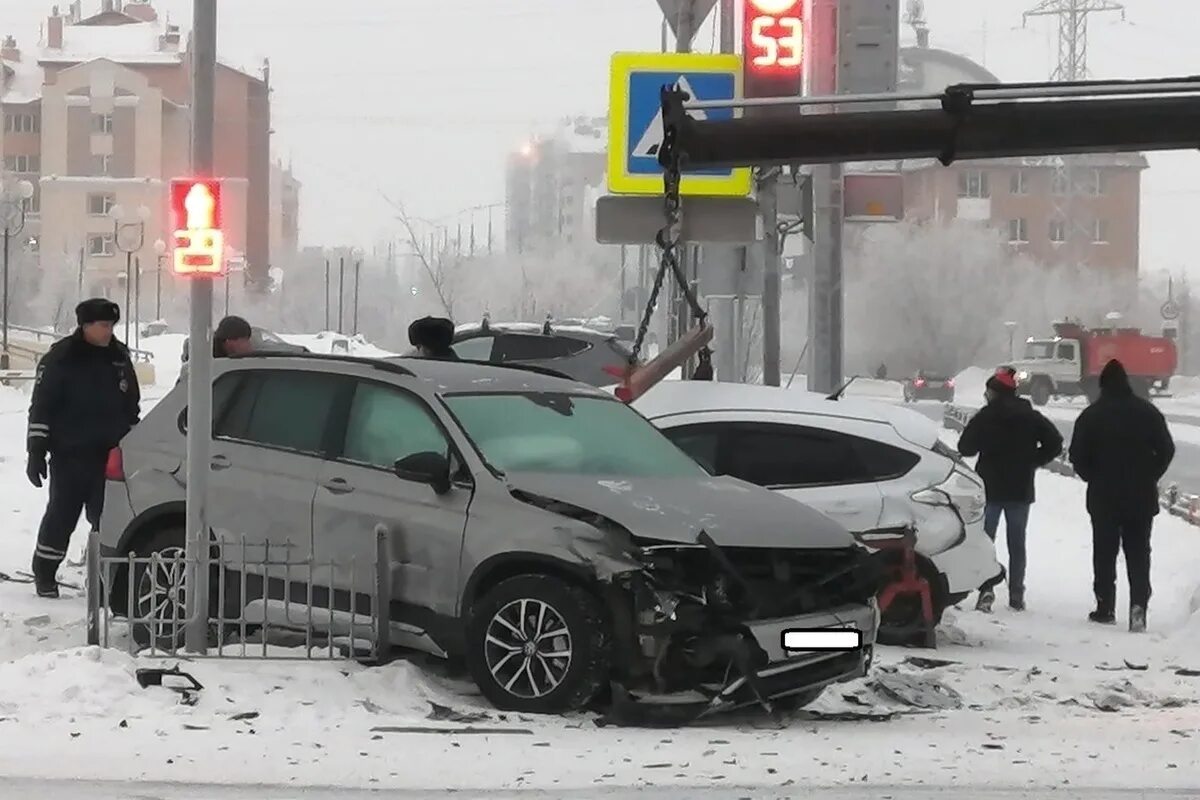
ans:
(332, 342)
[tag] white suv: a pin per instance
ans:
(870, 466)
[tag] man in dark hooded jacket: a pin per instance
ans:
(1122, 448)
(433, 337)
(1012, 441)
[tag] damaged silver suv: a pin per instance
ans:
(544, 533)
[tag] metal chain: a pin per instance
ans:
(668, 241)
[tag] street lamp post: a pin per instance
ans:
(129, 235)
(12, 216)
(160, 247)
(1012, 327)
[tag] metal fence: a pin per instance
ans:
(1180, 504)
(264, 603)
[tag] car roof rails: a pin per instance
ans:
(377, 363)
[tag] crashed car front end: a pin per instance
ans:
(707, 624)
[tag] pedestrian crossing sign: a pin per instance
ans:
(635, 119)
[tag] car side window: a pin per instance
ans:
(701, 442)
(477, 348)
(883, 462)
(288, 409)
(387, 425)
(223, 391)
(791, 456)
(535, 347)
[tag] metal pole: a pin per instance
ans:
(199, 429)
(158, 291)
(771, 301)
(327, 294)
(727, 333)
(82, 263)
(357, 283)
(4, 352)
(128, 293)
(137, 303)
(825, 371)
(227, 276)
(341, 294)
(622, 288)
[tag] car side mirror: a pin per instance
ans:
(432, 469)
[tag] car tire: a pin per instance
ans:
(903, 617)
(508, 652)
(168, 606)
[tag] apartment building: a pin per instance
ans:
(1085, 210)
(547, 187)
(99, 114)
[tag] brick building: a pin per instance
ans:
(1086, 211)
(98, 116)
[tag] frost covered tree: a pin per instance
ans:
(936, 296)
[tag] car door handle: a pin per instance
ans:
(338, 486)
(221, 462)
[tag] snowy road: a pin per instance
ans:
(78, 790)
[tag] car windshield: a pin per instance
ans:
(571, 434)
(1039, 350)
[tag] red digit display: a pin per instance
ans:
(773, 47)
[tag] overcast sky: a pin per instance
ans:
(422, 99)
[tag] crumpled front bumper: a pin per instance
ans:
(791, 672)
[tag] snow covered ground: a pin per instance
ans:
(1037, 700)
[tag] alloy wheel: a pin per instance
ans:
(161, 596)
(527, 648)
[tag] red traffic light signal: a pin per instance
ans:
(198, 242)
(773, 47)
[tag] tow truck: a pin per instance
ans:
(1069, 363)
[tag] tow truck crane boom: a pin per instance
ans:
(973, 121)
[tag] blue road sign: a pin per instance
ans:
(635, 119)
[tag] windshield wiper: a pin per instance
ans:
(558, 403)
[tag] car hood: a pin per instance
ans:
(732, 512)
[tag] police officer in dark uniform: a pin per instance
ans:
(85, 400)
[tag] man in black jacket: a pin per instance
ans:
(1122, 448)
(85, 399)
(1012, 441)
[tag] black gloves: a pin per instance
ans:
(35, 468)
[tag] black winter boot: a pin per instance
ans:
(1137, 619)
(45, 578)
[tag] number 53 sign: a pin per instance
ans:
(773, 47)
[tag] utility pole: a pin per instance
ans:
(341, 294)
(326, 294)
(772, 302)
(854, 49)
(199, 426)
(727, 332)
(1072, 65)
(685, 31)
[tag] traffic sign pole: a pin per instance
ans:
(199, 419)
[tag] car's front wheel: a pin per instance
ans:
(538, 644)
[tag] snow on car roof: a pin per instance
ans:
(671, 398)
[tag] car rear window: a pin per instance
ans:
(536, 347)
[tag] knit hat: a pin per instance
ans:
(232, 327)
(1004, 380)
(97, 309)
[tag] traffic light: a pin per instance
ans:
(199, 243)
(773, 47)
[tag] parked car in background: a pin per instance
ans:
(589, 356)
(929, 386)
(551, 537)
(869, 466)
(264, 342)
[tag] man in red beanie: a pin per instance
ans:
(1012, 441)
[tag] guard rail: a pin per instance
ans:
(1177, 503)
(40, 336)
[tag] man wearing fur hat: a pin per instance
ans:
(85, 399)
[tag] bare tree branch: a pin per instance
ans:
(437, 276)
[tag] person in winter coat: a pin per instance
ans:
(85, 399)
(433, 337)
(1121, 446)
(1012, 441)
(233, 337)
